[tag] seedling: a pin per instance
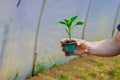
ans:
(70, 45)
(69, 25)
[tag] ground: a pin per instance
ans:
(84, 68)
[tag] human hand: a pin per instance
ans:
(81, 46)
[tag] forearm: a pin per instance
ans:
(108, 47)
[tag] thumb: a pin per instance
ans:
(81, 44)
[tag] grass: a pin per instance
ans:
(117, 61)
(99, 64)
(85, 68)
(55, 65)
(116, 73)
(39, 68)
(15, 77)
(92, 74)
(63, 77)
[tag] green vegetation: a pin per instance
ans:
(117, 61)
(91, 75)
(69, 25)
(16, 76)
(86, 68)
(55, 65)
(63, 77)
(99, 64)
(86, 73)
(39, 68)
(116, 73)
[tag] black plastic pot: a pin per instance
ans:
(70, 47)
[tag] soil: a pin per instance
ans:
(70, 41)
(84, 68)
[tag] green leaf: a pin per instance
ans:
(61, 22)
(72, 19)
(67, 22)
(79, 23)
(16, 76)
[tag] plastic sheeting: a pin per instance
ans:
(18, 27)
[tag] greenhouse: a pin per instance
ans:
(31, 31)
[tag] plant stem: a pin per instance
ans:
(70, 35)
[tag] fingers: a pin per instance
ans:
(80, 44)
(64, 40)
(62, 44)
